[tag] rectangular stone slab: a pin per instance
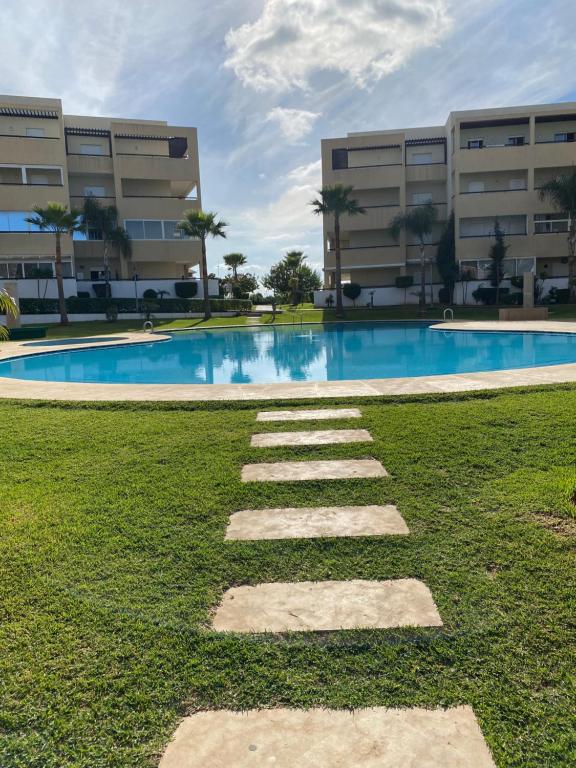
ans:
(318, 606)
(317, 415)
(283, 471)
(311, 437)
(328, 738)
(313, 522)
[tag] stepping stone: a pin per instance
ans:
(313, 470)
(315, 437)
(324, 413)
(318, 606)
(313, 522)
(330, 738)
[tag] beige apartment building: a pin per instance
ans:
(483, 164)
(148, 169)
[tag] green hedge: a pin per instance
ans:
(81, 306)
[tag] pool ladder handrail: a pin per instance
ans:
(448, 309)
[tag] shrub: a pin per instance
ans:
(112, 313)
(352, 291)
(150, 293)
(102, 290)
(17, 334)
(186, 290)
(404, 281)
(555, 296)
(511, 299)
(76, 305)
(487, 295)
(83, 294)
(444, 295)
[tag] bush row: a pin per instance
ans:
(82, 306)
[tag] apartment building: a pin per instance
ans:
(148, 169)
(483, 164)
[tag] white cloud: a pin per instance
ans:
(294, 124)
(294, 39)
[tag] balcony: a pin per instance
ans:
(493, 158)
(90, 164)
(376, 217)
(555, 153)
(493, 203)
(157, 167)
(24, 196)
(373, 177)
(367, 256)
(155, 207)
(22, 151)
(426, 172)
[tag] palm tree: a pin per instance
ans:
(105, 220)
(418, 222)
(233, 261)
(294, 260)
(56, 218)
(200, 225)
(561, 191)
(336, 201)
(7, 307)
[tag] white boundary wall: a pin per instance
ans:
(75, 318)
(387, 296)
(32, 288)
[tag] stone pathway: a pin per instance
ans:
(317, 415)
(325, 738)
(367, 738)
(313, 437)
(286, 471)
(314, 522)
(319, 606)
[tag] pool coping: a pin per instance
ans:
(20, 389)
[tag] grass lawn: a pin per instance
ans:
(112, 558)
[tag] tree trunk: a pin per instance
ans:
(338, 268)
(207, 312)
(422, 297)
(60, 281)
(107, 290)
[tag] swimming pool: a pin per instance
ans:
(332, 352)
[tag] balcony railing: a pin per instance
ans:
(487, 191)
(29, 184)
(552, 226)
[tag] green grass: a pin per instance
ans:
(112, 558)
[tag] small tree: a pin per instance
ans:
(104, 219)
(201, 225)
(56, 218)
(278, 280)
(336, 201)
(418, 222)
(404, 281)
(466, 276)
(352, 291)
(233, 261)
(446, 258)
(497, 255)
(561, 191)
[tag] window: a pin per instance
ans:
(37, 178)
(475, 143)
(515, 141)
(421, 158)
(171, 232)
(38, 271)
(11, 270)
(91, 149)
(421, 198)
(516, 184)
(15, 221)
(67, 269)
(36, 133)
(476, 186)
(135, 229)
(560, 137)
(339, 159)
(550, 223)
(153, 230)
(94, 192)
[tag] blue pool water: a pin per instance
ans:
(298, 353)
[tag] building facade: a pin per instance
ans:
(483, 165)
(148, 169)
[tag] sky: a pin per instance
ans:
(265, 80)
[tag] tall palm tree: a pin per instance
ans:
(561, 191)
(336, 201)
(115, 237)
(56, 218)
(233, 261)
(201, 225)
(418, 222)
(7, 307)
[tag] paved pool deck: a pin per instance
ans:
(19, 389)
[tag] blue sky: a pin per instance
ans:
(265, 80)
